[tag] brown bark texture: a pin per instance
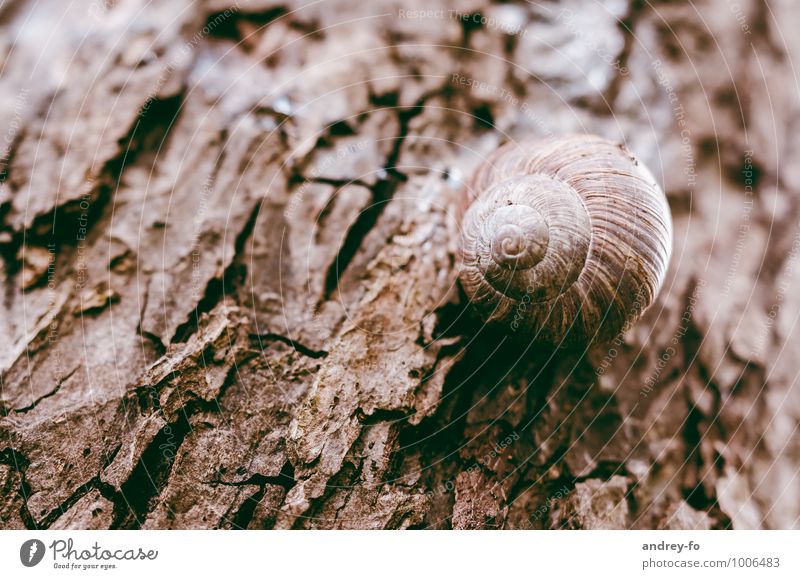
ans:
(228, 237)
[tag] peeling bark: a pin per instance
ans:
(228, 236)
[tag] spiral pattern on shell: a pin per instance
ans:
(567, 239)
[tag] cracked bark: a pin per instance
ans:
(230, 296)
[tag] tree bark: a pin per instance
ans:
(229, 232)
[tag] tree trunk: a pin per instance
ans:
(228, 237)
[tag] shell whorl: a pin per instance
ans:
(565, 239)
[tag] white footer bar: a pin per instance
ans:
(401, 554)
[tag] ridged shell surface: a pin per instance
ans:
(566, 240)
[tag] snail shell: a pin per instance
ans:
(567, 240)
